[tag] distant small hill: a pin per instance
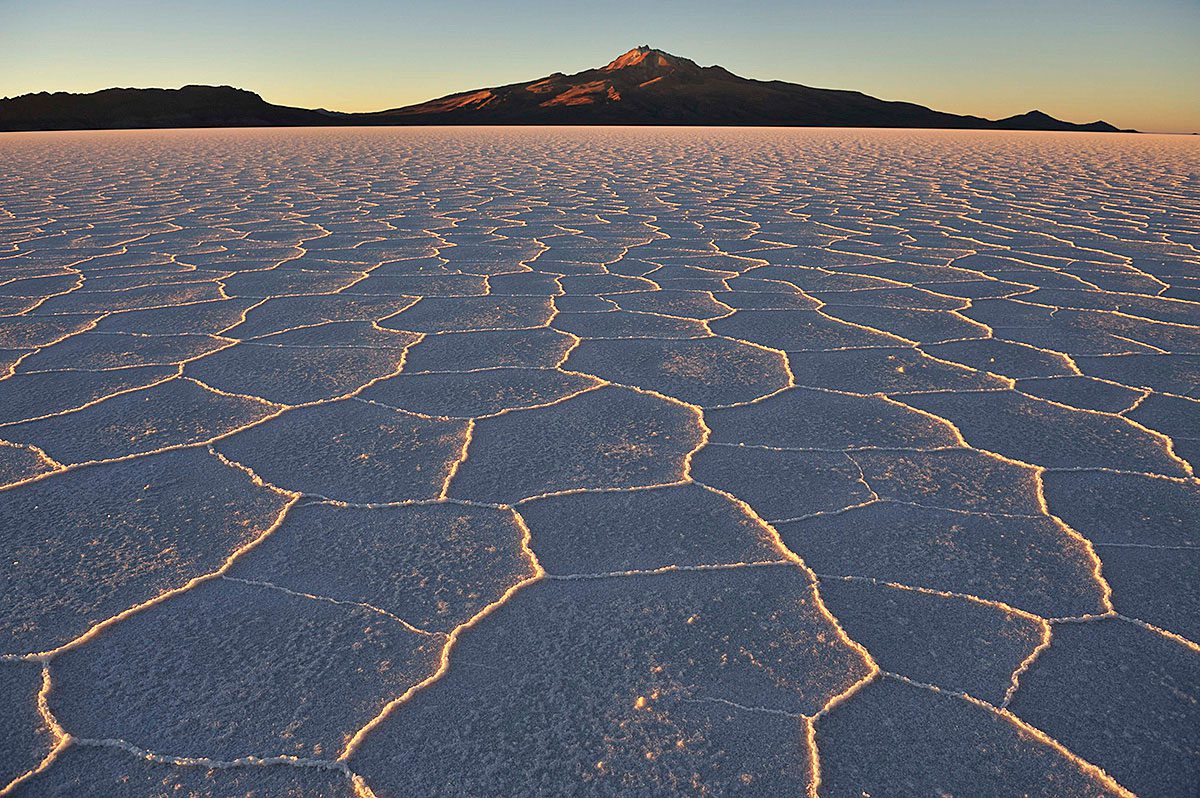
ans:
(1036, 120)
(645, 86)
(190, 106)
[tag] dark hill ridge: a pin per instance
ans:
(645, 86)
(190, 106)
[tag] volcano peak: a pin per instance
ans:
(644, 55)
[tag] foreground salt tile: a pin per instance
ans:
(89, 771)
(489, 349)
(1032, 564)
(1143, 335)
(899, 370)
(583, 304)
(286, 313)
(174, 413)
(898, 739)
(698, 305)
(625, 530)
(955, 479)
(352, 334)
(281, 282)
(892, 297)
(750, 294)
(524, 284)
(20, 332)
(974, 289)
(615, 284)
(1126, 508)
(688, 681)
(606, 438)
(706, 371)
(1041, 433)
(197, 318)
(958, 644)
(782, 484)
(24, 738)
(20, 305)
(1003, 357)
(235, 256)
(628, 324)
(1167, 372)
(88, 544)
(439, 314)
(352, 451)
(924, 326)
(685, 278)
(385, 283)
(133, 299)
(1122, 697)
(1174, 416)
(37, 287)
(800, 418)
(1155, 585)
(1145, 531)
(93, 350)
(26, 396)
(813, 261)
(20, 462)
(1082, 393)
(1152, 308)
(228, 670)
(304, 366)
(457, 395)
(1081, 333)
(489, 250)
(433, 566)
(801, 331)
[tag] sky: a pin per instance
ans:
(1134, 63)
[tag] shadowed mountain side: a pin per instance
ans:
(644, 86)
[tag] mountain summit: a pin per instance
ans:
(645, 57)
(645, 86)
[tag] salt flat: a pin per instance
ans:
(639, 462)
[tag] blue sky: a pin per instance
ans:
(1136, 64)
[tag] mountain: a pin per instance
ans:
(645, 86)
(190, 106)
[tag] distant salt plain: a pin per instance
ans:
(640, 462)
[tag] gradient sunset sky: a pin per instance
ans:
(1135, 63)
